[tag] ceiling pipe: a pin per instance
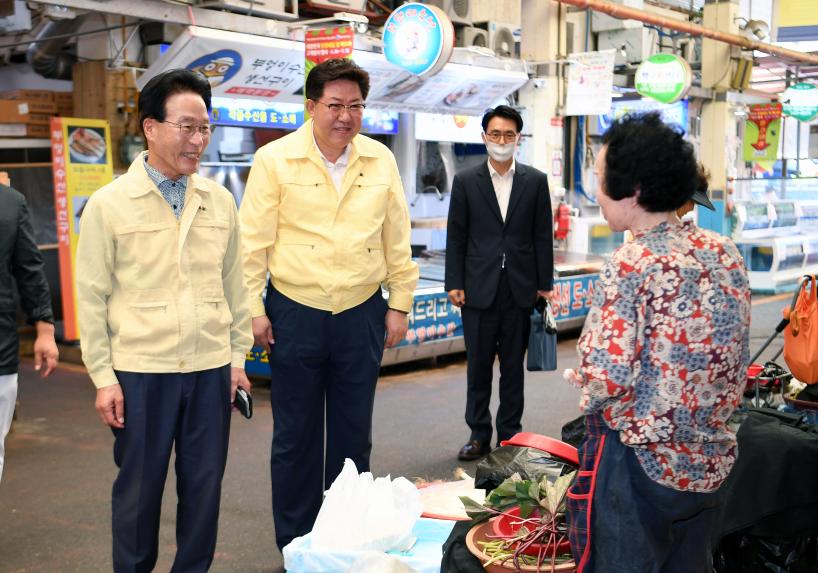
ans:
(627, 13)
(45, 53)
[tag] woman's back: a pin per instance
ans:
(670, 333)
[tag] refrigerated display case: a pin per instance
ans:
(779, 242)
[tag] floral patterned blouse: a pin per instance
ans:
(665, 349)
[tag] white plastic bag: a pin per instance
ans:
(361, 513)
(373, 562)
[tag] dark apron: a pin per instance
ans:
(580, 496)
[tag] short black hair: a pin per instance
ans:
(159, 88)
(335, 69)
(646, 154)
(506, 112)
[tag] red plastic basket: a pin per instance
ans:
(557, 448)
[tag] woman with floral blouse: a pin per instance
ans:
(663, 359)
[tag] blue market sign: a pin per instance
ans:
(374, 121)
(256, 117)
(418, 38)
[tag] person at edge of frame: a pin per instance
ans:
(21, 266)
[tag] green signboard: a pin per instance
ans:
(800, 101)
(663, 77)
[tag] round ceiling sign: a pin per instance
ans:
(664, 77)
(418, 38)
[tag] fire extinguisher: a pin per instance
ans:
(562, 221)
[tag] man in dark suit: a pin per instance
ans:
(499, 260)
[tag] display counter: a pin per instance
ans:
(435, 325)
(779, 242)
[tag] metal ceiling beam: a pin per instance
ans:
(627, 13)
(160, 11)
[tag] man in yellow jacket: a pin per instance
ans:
(324, 212)
(165, 326)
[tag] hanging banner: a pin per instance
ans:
(761, 132)
(272, 70)
(81, 159)
(458, 89)
(322, 44)
(663, 77)
(800, 101)
(590, 83)
(235, 64)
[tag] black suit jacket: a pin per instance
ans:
(21, 266)
(477, 238)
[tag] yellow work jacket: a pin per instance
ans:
(157, 294)
(325, 248)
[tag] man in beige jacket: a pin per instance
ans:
(324, 212)
(165, 326)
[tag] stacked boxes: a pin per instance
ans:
(27, 113)
(65, 103)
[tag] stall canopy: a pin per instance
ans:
(272, 69)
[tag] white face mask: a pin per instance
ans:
(500, 152)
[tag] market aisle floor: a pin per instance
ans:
(56, 488)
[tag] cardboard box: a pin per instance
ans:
(64, 98)
(36, 106)
(30, 95)
(24, 130)
(65, 103)
(18, 111)
(13, 111)
(39, 131)
(39, 119)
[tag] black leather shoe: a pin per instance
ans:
(473, 450)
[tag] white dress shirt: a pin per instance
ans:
(502, 185)
(337, 169)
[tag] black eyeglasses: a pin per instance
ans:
(507, 136)
(190, 129)
(337, 108)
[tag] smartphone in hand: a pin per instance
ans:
(244, 403)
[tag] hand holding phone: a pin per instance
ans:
(244, 402)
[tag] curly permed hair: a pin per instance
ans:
(646, 155)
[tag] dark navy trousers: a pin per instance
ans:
(190, 412)
(324, 369)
